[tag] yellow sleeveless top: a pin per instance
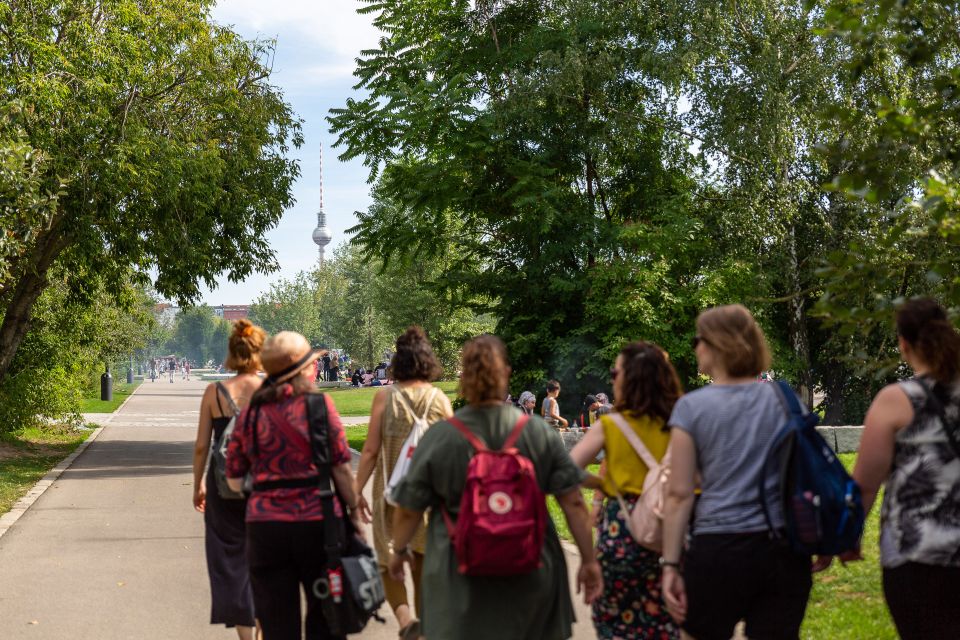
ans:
(622, 462)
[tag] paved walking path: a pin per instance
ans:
(114, 550)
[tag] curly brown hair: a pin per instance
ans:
(651, 386)
(246, 342)
(414, 359)
(924, 324)
(485, 370)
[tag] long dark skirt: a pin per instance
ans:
(632, 606)
(226, 544)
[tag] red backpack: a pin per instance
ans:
(503, 512)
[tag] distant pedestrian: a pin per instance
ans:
(285, 513)
(224, 528)
(186, 368)
(587, 409)
(911, 441)
(733, 569)
(392, 417)
(171, 370)
(605, 406)
(550, 409)
(153, 371)
(325, 364)
(334, 367)
(534, 605)
(527, 402)
(645, 387)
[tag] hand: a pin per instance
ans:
(366, 515)
(675, 594)
(200, 498)
(821, 563)
(358, 528)
(596, 513)
(590, 581)
(395, 566)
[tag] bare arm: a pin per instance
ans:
(677, 509)
(587, 449)
(891, 411)
(371, 451)
(575, 512)
(405, 523)
(201, 449)
(343, 479)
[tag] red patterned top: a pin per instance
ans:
(284, 453)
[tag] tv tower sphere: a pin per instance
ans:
(322, 235)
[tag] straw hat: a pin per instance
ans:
(285, 355)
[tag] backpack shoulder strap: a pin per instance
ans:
(634, 440)
(471, 437)
(222, 388)
(429, 405)
(319, 433)
(788, 398)
(515, 434)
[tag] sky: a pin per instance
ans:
(317, 43)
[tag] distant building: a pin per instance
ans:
(232, 312)
(165, 313)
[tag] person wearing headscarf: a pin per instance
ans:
(527, 402)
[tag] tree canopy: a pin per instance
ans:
(161, 137)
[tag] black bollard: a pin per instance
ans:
(106, 386)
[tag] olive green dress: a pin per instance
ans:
(535, 606)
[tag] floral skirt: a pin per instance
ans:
(632, 603)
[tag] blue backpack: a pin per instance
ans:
(822, 507)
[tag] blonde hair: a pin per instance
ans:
(736, 338)
(246, 341)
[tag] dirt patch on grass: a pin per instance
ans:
(8, 451)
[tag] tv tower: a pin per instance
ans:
(322, 235)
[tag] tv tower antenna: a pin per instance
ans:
(322, 235)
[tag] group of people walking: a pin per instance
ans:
(720, 560)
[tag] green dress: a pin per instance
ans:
(535, 606)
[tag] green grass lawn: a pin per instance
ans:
(353, 402)
(27, 456)
(121, 391)
(356, 435)
(847, 602)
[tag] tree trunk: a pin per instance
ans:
(834, 388)
(797, 325)
(32, 282)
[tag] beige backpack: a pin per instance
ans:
(645, 522)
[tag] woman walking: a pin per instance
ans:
(645, 389)
(528, 606)
(225, 531)
(733, 570)
(393, 415)
(285, 527)
(911, 441)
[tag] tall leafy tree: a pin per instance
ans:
(529, 133)
(168, 138)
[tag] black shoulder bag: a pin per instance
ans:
(352, 591)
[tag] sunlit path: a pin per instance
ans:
(114, 549)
